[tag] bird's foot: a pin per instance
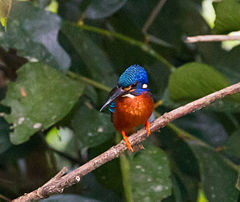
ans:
(148, 128)
(127, 141)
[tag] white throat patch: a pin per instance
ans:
(144, 85)
(129, 95)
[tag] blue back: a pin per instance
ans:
(132, 74)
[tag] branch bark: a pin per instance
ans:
(58, 183)
(212, 38)
(153, 15)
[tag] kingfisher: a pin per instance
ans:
(130, 102)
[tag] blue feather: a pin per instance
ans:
(112, 107)
(132, 74)
(139, 90)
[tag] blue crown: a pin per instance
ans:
(132, 74)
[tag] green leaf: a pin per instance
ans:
(194, 80)
(204, 126)
(59, 138)
(3, 22)
(40, 97)
(217, 177)
(52, 7)
(228, 63)
(150, 175)
(201, 196)
(62, 140)
(5, 7)
(184, 170)
(34, 34)
(92, 127)
(93, 56)
(227, 16)
(102, 9)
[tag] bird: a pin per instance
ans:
(130, 102)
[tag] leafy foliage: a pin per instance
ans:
(57, 69)
(90, 53)
(150, 175)
(94, 133)
(227, 19)
(102, 9)
(27, 30)
(34, 105)
(216, 175)
(5, 7)
(193, 81)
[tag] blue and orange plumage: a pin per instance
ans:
(130, 102)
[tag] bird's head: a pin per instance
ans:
(132, 82)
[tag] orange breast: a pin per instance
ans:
(132, 112)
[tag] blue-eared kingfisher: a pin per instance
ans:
(130, 102)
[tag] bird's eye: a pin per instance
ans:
(134, 85)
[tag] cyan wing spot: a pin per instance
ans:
(112, 107)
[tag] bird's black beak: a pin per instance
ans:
(115, 92)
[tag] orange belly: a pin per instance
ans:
(132, 112)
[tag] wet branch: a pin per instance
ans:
(62, 180)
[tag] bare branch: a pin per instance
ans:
(4, 198)
(212, 38)
(153, 16)
(61, 181)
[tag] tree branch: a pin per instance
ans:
(153, 15)
(131, 41)
(58, 183)
(212, 38)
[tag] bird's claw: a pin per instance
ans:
(127, 141)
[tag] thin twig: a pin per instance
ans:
(4, 198)
(131, 41)
(59, 183)
(88, 81)
(212, 38)
(153, 16)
